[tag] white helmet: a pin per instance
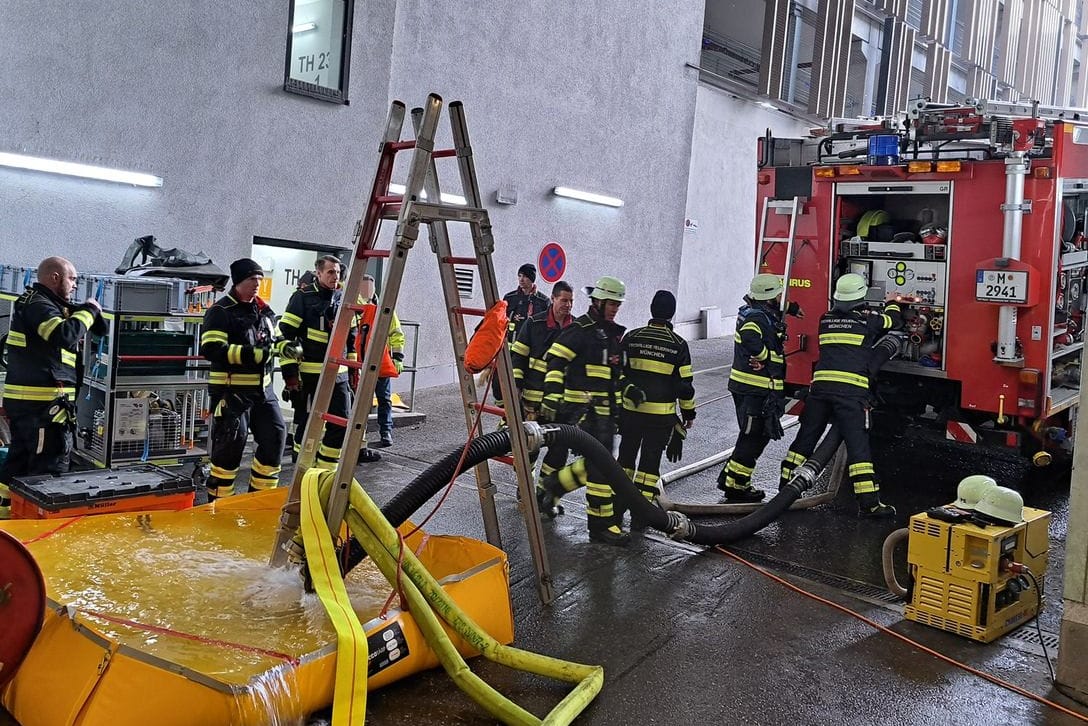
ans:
(1002, 505)
(972, 489)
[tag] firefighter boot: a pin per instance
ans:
(612, 535)
(547, 503)
(869, 505)
(729, 483)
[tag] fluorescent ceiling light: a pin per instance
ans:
(68, 168)
(588, 196)
(302, 27)
(447, 198)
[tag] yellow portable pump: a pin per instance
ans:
(968, 576)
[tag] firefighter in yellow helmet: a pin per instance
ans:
(582, 387)
(756, 381)
(840, 388)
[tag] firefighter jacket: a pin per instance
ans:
(520, 307)
(528, 351)
(240, 341)
(658, 362)
(43, 345)
(846, 343)
(585, 364)
(760, 336)
(309, 318)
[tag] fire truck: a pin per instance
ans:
(975, 215)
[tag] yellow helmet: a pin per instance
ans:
(765, 287)
(608, 288)
(869, 221)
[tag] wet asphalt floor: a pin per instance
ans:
(689, 635)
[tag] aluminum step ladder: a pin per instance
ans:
(420, 204)
(792, 208)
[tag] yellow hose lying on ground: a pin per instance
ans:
(427, 602)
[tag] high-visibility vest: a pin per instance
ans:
(366, 324)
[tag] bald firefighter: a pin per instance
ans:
(43, 345)
(582, 387)
(839, 393)
(657, 376)
(757, 382)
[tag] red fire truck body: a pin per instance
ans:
(978, 220)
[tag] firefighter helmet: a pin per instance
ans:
(1003, 505)
(869, 221)
(933, 234)
(971, 490)
(607, 288)
(850, 287)
(765, 287)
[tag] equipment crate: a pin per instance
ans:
(133, 489)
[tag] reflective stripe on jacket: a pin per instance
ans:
(846, 343)
(658, 361)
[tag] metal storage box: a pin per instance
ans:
(130, 294)
(134, 489)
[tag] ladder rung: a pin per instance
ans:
(349, 363)
(776, 239)
(367, 254)
(478, 312)
(402, 145)
(504, 459)
(459, 260)
(488, 409)
(338, 420)
(443, 153)
(354, 307)
(389, 199)
(780, 204)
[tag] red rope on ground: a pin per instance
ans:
(189, 636)
(912, 643)
(53, 531)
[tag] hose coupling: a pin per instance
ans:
(534, 435)
(679, 527)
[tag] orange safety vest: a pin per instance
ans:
(366, 324)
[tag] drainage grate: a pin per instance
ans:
(854, 587)
(1029, 634)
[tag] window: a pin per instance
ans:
(319, 49)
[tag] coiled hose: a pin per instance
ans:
(497, 443)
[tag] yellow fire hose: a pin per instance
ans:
(428, 602)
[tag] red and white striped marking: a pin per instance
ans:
(794, 407)
(959, 431)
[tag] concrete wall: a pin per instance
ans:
(717, 259)
(595, 96)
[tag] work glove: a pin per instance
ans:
(774, 407)
(795, 310)
(353, 378)
(688, 416)
(675, 448)
(398, 361)
(291, 387)
(290, 350)
(549, 410)
(634, 394)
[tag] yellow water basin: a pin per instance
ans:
(175, 618)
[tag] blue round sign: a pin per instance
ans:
(552, 262)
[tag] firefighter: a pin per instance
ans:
(657, 375)
(239, 338)
(43, 345)
(840, 388)
(527, 355)
(522, 303)
(581, 387)
(757, 384)
(392, 364)
(309, 319)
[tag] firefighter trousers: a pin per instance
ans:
(40, 444)
(234, 414)
(643, 438)
(600, 500)
(332, 440)
(751, 441)
(851, 415)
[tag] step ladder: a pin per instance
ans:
(792, 208)
(420, 204)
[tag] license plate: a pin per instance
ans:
(1002, 286)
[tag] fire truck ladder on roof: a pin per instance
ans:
(792, 208)
(420, 204)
